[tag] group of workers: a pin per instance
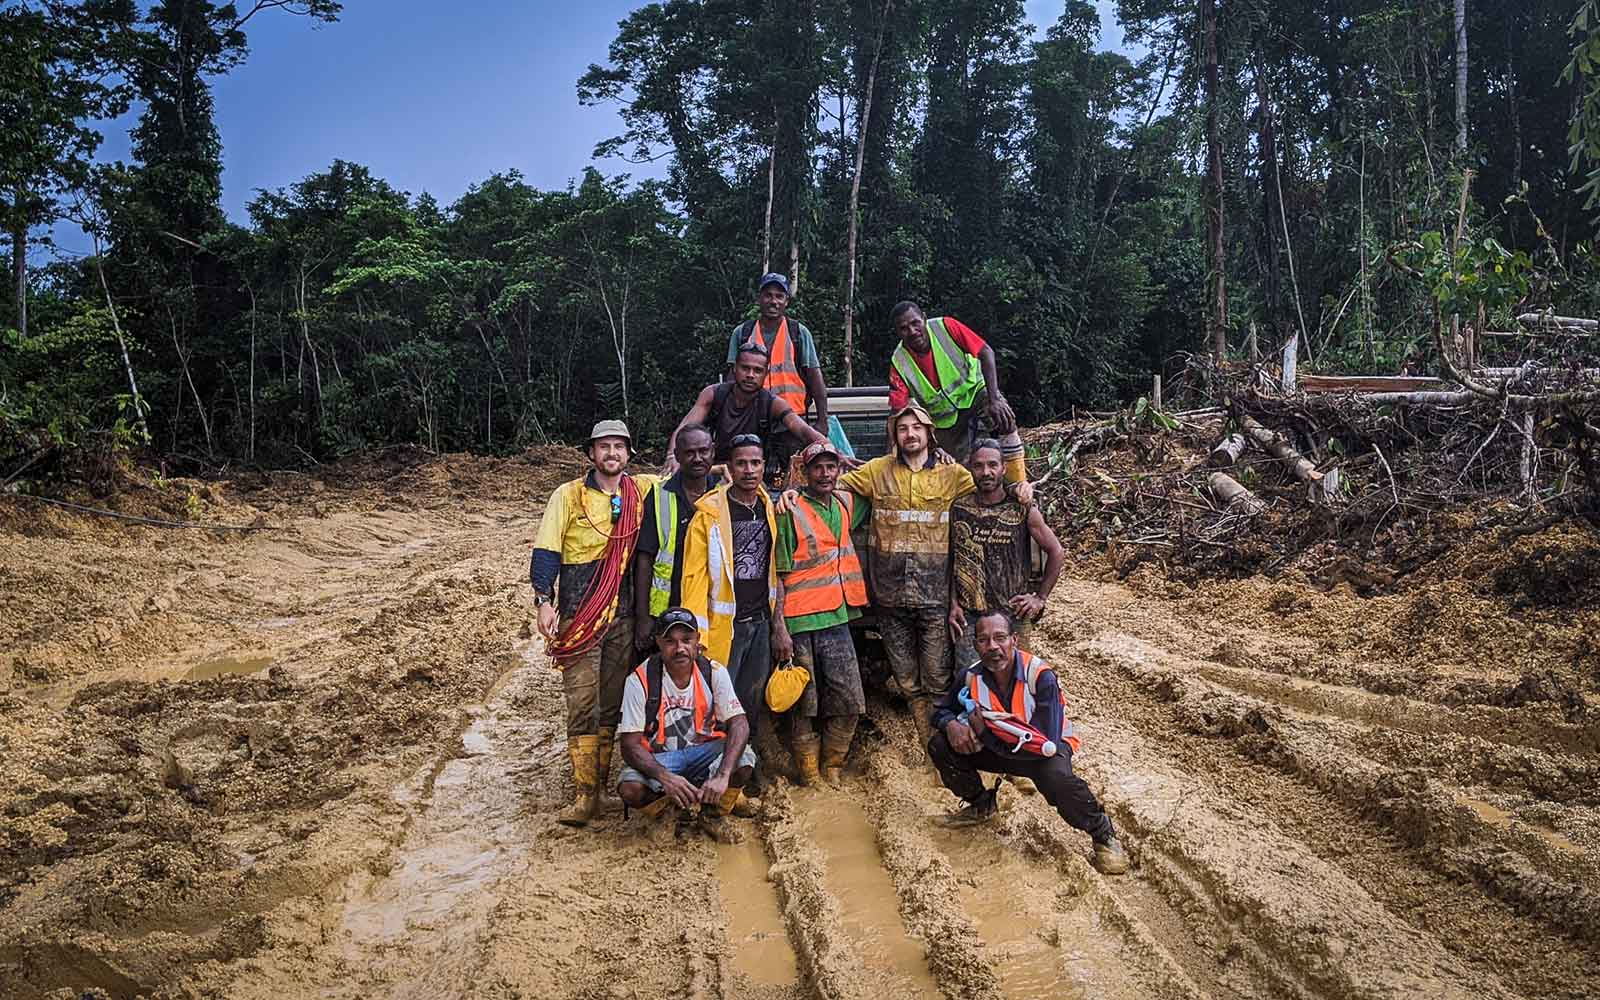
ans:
(742, 592)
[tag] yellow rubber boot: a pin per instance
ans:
(836, 735)
(734, 803)
(922, 715)
(807, 750)
(602, 771)
(585, 754)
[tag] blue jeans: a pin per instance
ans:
(693, 764)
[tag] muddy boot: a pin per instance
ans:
(836, 734)
(602, 771)
(980, 810)
(1024, 786)
(807, 750)
(1110, 858)
(735, 803)
(652, 809)
(585, 753)
(922, 714)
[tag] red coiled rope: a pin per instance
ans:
(599, 604)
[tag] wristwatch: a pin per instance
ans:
(540, 600)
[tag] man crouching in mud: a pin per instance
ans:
(1006, 714)
(684, 733)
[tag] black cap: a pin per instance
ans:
(673, 617)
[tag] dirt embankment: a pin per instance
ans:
(325, 758)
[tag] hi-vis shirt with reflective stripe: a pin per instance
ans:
(824, 573)
(783, 372)
(1023, 703)
(960, 375)
(666, 512)
(655, 707)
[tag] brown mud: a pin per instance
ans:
(325, 758)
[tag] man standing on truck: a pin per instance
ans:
(795, 371)
(948, 370)
(742, 408)
(1006, 714)
(911, 493)
(580, 559)
(991, 557)
(823, 591)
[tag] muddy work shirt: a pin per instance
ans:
(991, 553)
(910, 530)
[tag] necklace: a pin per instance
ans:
(751, 506)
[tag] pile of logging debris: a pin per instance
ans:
(1285, 466)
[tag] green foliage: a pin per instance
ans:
(1480, 272)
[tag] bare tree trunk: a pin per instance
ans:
(19, 268)
(183, 360)
(855, 201)
(1361, 242)
(250, 451)
(794, 264)
(116, 325)
(1267, 147)
(766, 225)
(1217, 315)
(1461, 80)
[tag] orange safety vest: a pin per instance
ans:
(655, 713)
(826, 572)
(1022, 700)
(783, 374)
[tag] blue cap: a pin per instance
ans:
(774, 278)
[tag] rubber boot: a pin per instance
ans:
(602, 771)
(734, 803)
(1110, 858)
(585, 753)
(836, 735)
(807, 750)
(922, 714)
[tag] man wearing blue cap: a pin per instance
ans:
(794, 371)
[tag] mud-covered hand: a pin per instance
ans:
(957, 620)
(961, 737)
(1001, 417)
(942, 457)
(1024, 494)
(678, 788)
(787, 502)
(1028, 606)
(548, 620)
(782, 643)
(715, 787)
(643, 632)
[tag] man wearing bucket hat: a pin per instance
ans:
(685, 736)
(823, 591)
(580, 560)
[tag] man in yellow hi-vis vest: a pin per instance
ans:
(944, 367)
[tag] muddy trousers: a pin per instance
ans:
(1067, 792)
(593, 680)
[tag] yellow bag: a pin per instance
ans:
(786, 685)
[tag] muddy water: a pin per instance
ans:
(761, 950)
(469, 833)
(1497, 817)
(868, 903)
(227, 666)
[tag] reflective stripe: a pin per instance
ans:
(914, 516)
(960, 375)
(1023, 701)
(705, 721)
(666, 552)
(826, 573)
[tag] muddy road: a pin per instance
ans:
(324, 759)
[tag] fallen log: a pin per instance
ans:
(1234, 498)
(1322, 487)
(1227, 451)
(1550, 319)
(1367, 383)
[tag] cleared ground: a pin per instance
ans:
(324, 759)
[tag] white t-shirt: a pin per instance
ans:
(678, 705)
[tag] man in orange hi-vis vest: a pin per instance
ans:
(795, 372)
(822, 590)
(1006, 714)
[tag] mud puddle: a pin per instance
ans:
(1503, 820)
(868, 904)
(470, 831)
(762, 954)
(227, 666)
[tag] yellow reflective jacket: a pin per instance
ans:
(708, 570)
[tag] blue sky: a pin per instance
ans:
(432, 97)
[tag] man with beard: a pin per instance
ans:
(580, 559)
(658, 561)
(730, 580)
(743, 408)
(685, 737)
(991, 560)
(1006, 714)
(823, 591)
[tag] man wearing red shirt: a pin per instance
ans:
(945, 367)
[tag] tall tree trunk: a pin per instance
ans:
(116, 326)
(19, 268)
(1267, 145)
(855, 200)
(1217, 314)
(766, 225)
(1461, 80)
